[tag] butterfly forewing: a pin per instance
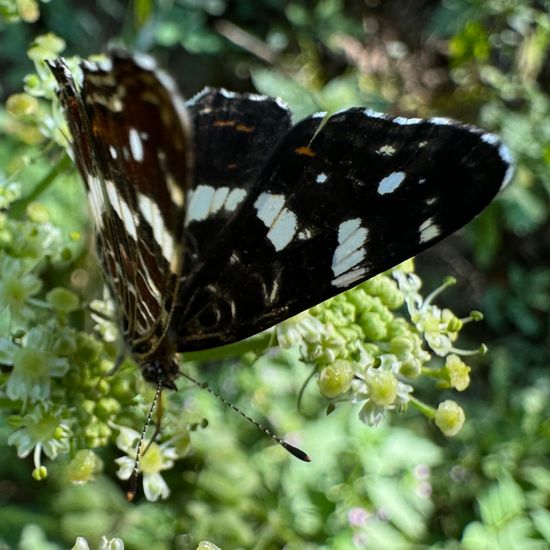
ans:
(338, 202)
(132, 142)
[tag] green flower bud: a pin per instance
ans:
(411, 368)
(458, 371)
(88, 405)
(383, 387)
(107, 407)
(47, 45)
(40, 473)
(374, 328)
(449, 418)
(372, 349)
(37, 213)
(65, 345)
(28, 10)
(336, 379)
(401, 346)
(88, 348)
(83, 467)
(33, 84)
(358, 298)
(62, 300)
(21, 105)
(120, 389)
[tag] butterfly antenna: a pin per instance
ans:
(294, 451)
(132, 482)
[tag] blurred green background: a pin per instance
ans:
(402, 484)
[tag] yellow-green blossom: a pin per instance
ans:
(159, 457)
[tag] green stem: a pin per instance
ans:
(256, 344)
(426, 410)
(18, 208)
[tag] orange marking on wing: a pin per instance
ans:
(222, 123)
(244, 128)
(305, 150)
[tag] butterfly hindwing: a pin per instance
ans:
(338, 202)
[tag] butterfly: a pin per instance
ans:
(218, 217)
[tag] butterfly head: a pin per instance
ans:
(161, 370)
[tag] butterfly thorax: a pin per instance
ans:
(157, 359)
(163, 370)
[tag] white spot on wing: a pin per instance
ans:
(125, 213)
(113, 103)
(228, 94)
(96, 200)
(268, 207)
(428, 230)
(375, 114)
(390, 183)
(105, 64)
(151, 213)
(176, 193)
(199, 203)
(386, 150)
(218, 200)
(206, 201)
(89, 65)
(282, 222)
(406, 121)
(350, 250)
(321, 178)
(145, 61)
(283, 230)
(235, 197)
(504, 154)
(347, 279)
(442, 121)
(136, 147)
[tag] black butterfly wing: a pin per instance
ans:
(234, 136)
(132, 146)
(337, 204)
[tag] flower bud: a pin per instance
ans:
(336, 379)
(449, 418)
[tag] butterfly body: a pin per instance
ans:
(218, 218)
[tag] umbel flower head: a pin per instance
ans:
(365, 352)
